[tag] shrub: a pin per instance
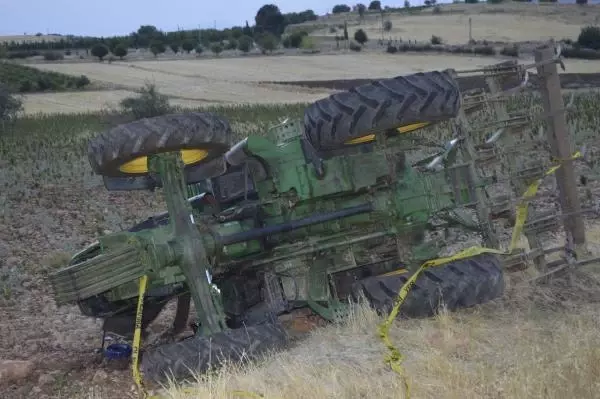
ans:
(82, 81)
(267, 42)
(391, 49)
(375, 5)
(387, 25)
(148, 104)
(581, 2)
(53, 56)
(245, 43)
(510, 51)
(120, 50)
(582, 53)
(361, 36)
(187, 46)
(436, 39)
(355, 46)
(231, 44)
(484, 50)
(308, 43)
(216, 48)
(174, 47)
(99, 50)
(157, 47)
(10, 105)
(199, 49)
(589, 37)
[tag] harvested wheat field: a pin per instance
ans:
(507, 22)
(238, 81)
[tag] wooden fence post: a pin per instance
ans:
(558, 138)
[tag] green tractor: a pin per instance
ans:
(317, 213)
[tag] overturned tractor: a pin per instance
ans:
(317, 213)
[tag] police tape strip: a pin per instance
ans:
(394, 357)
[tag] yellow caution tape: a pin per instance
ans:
(394, 357)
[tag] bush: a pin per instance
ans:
(120, 50)
(10, 105)
(361, 36)
(308, 43)
(436, 39)
(267, 42)
(22, 54)
(589, 37)
(387, 25)
(355, 46)
(510, 51)
(484, 50)
(53, 56)
(391, 49)
(187, 46)
(245, 43)
(148, 104)
(581, 53)
(99, 50)
(199, 49)
(24, 79)
(157, 47)
(216, 48)
(340, 8)
(231, 44)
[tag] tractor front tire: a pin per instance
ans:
(110, 150)
(198, 354)
(460, 284)
(425, 97)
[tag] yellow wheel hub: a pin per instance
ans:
(140, 165)
(401, 130)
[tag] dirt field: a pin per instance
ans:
(507, 22)
(231, 81)
(29, 38)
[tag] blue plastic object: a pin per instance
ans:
(118, 351)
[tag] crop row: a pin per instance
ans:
(25, 79)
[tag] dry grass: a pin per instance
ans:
(503, 22)
(514, 349)
(536, 342)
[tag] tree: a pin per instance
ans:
(199, 49)
(157, 47)
(346, 37)
(270, 19)
(589, 37)
(187, 46)
(247, 30)
(406, 4)
(360, 36)
(216, 48)
(375, 5)
(245, 44)
(120, 50)
(387, 25)
(267, 42)
(174, 47)
(581, 2)
(340, 8)
(99, 50)
(361, 8)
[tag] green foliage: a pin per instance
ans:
(53, 56)
(25, 79)
(99, 50)
(294, 40)
(361, 36)
(471, 1)
(495, 1)
(375, 5)
(120, 50)
(148, 104)
(10, 106)
(308, 43)
(187, 46)
(346, 37)
(589, 37)
(581, 53)
(581, 2)
(245, 43)
(174, 47)
(387, 25)
(157, 47)
(436, 39)
(269, 19)
(199, 49)
(216, 48)
(267, 42)
(355, 46)
(510, 51)
(231, 44)
(341, 8)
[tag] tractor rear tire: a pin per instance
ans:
(198, 354)
(460, 284)
(194, 130)
(381, 105)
